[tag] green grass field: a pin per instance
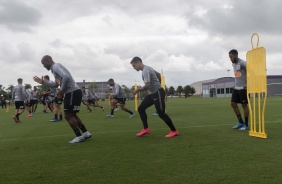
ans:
(207, 150)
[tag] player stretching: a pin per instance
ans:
(89, 99)
(156, 96)
(119, 96)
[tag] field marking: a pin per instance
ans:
(194, 126)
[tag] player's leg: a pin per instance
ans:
(235, 99)
(159, 102)
(244, 102)
(72, 103)
(122, 106)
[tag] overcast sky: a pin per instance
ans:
(96, 39)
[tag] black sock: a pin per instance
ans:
(29, 112)
(112, 112)
(82, 128)
(18, 115)
(247, 121)
(56, 116)
(77, 132)
(240, 119)
(61, 116)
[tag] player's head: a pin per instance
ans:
(83, 88)
(111, 82)
(47, 62)
(46, 78)
(35, 88)
(233, 55)
(137, 63)
(20, 80)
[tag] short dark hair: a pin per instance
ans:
(47, 77)
(136, 60)
(20, 79)
(233, 51)
(111, 80)
(46, 57)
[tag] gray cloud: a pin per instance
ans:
(239, 17)
(17, 16)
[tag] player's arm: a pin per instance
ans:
(144, 88)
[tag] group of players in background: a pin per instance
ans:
(71, 96)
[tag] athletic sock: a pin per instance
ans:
(247, 121)
(240, 119)
(56, 116)
(82, 128)
(112, 112)
(61, 116)
(77, 132)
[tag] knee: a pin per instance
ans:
(233, 104)
(141, 109)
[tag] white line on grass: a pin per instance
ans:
(52, 136)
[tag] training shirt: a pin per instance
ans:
(28, 94)
(19, 93)
(34, 95)
(88, 95)
(63, 78)
(240, 74)
(149, 75)
(118, 91)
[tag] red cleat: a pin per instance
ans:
(143, 132)
(172, 134)
(16, 119)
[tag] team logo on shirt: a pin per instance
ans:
(237, 74)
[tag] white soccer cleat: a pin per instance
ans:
(77, 140)
(86, 135)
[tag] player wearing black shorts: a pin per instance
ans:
(34, 99)
(119, 96)
(19, 99)
(72, 96)
(239, 94)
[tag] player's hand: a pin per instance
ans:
(38, 80)
(135, 91)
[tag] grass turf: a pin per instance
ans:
(208, 150)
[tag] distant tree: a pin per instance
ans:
(179, 90)
(27, 86)
(126, 89)
(187, 90)
(9, 90)
(171, 90)
(192, 91)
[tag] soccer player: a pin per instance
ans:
(89, 99)
(119, 96)
(19, 98)
(34, 99)
(72, 96)
(156, 96)
(28, 101)
(239, 94)
(3, 102)
(56, 101)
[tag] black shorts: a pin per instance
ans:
(58, 100)
(239, 96)
(121, 100)
(91, 101)
(34, 102)
(72, 101)
(19, 104)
